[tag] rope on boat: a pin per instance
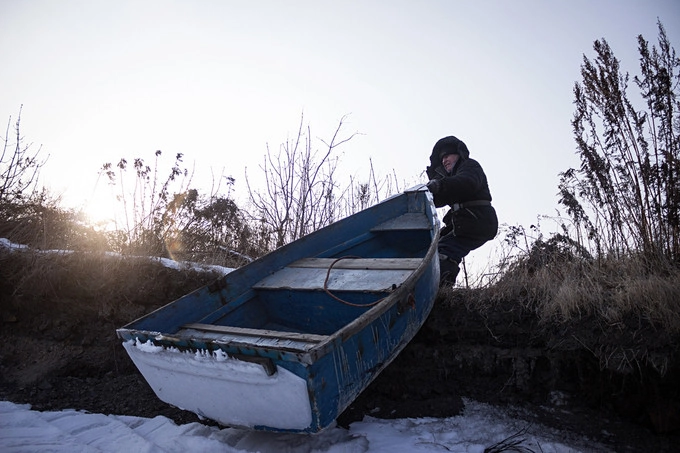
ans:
(325, 285)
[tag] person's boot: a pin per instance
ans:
(448, 271)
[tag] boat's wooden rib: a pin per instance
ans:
(261, 333)
(359, 263)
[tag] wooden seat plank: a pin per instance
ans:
(359, 263)
(261, 333)
(303, 278)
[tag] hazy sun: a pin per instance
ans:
(102, 212)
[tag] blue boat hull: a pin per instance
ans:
(287, 342)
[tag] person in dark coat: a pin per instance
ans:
(459, 182)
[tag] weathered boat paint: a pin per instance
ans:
(275, 314)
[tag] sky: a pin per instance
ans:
(220, 81)
(479, 427)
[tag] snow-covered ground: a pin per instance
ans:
(479, 427)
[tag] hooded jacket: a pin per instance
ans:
(466, 182)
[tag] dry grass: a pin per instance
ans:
(82, 284)
(625, 312)
(611, 290)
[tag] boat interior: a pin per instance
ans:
(314, 297)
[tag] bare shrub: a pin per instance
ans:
(165, 217)
(626, 194)
(40, 222)
(29, 215)
(361, 194)
(301, 192)
(144, 217)
(19, 165)
(212, 229)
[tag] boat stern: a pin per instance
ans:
(218, 387)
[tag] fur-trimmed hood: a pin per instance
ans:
(448, 145)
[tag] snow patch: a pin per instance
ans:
(6, 243)
(24, 430)
(169, 263)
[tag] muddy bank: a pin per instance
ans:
(60, 351)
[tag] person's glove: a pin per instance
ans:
(431, 174)
(434, 186)
(446, 229)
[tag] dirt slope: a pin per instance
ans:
(58, 319)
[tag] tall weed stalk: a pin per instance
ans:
(146, 215)
(626, 193)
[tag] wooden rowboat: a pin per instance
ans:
(288, 341)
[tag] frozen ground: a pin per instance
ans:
(478, 428)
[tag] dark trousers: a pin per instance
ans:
(456, 247)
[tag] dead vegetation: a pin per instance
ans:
(625, 312)
(564, 290)
(98, 284)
